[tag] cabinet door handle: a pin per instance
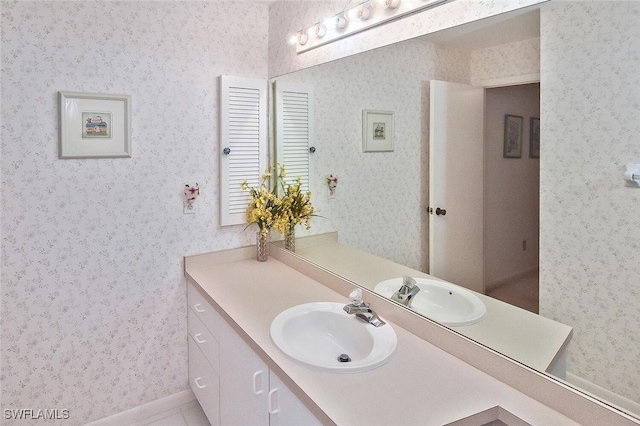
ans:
(257, 387)
(197, 339)
(198, 309)
(274, 407)
(198, 384)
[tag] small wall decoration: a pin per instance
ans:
(534, 138)
(377, 131)
(332, 184)
(191, 192)
(94, 125)
(512, 136)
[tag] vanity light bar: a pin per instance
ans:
(366, 15)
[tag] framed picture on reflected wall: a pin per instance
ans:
(94, 125)
(512, 136)
(377, 131)
(534, 138)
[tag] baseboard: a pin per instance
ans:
(616, 400)
(144, 412)
(510, 278)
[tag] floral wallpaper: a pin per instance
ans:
(507, 60)
(93, 293)
(590, 235)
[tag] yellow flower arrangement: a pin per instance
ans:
(280, 213)
(297, 204)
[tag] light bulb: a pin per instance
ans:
(321, 30)
(303, 38)
(363, 12)
(340, 22)
(385, 4)
(392, 4)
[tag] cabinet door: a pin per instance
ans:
(204, 382)
(244, 382)
(285, 409)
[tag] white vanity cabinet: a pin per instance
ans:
(204, 354)
(232, 383)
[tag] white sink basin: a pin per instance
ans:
(317, 334)
(441, 301)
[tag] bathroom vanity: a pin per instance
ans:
(534, 340)
(237, 369)
(233, 384)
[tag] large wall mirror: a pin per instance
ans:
(380, 209)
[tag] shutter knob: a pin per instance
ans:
(226, 151)
(312, 149)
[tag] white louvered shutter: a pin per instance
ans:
(243, 143)
(294, 130)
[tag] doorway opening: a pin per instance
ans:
(512, 192)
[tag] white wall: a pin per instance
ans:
(589, 228)
(511, 186)
(93, 293)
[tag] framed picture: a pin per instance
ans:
(534, 138)
(94, 125)
(377, 131)
(512, 136)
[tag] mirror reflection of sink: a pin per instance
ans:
(324, 337)
(441, 301)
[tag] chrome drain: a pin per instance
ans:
(344, 358)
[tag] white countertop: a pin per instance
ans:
(421, 385)
(519, 334)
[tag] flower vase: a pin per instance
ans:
(262, 246)
(290, 238)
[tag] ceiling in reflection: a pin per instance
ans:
(489, 32)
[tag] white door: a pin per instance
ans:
(456, 146)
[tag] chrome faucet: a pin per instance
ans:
(362, 310)
(406, 292)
